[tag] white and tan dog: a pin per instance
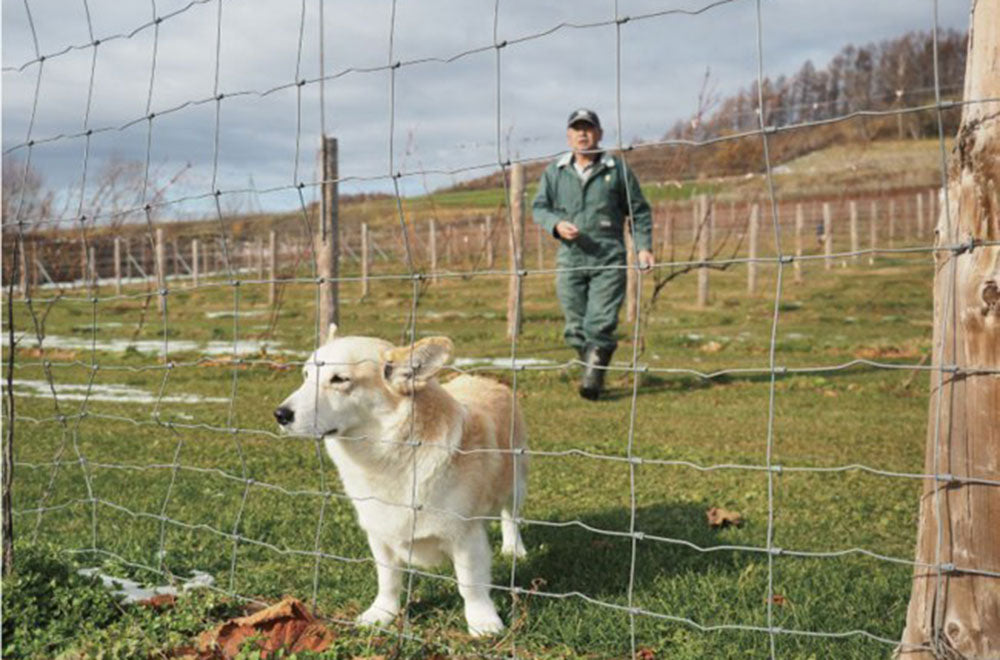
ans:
(422, 462)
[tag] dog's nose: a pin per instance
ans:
(285, 416)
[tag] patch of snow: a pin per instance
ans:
(155, 346)
(252, 313)
(502, 362)
(103, 392)
(133, 592)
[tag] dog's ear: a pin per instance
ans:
(407, 369)
(331, 333)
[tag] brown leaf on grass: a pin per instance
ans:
(711, 347)
(645, 653)
(286, 625)
(718, 517)
(777, 599)
(159, 602)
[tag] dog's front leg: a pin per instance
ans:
(471, 554)
(386, 604)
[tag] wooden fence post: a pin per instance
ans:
(754, 236)
(669, 239)
(854, 230)
(799, 224)
(490, 252)
(920, 216)
(873, 230)
(539, 238)
(195, 264)
(161, 268)
(892, 223)
(128, 259)
(702, 235)
(365, 253)
(118, 266)
(432, 239)
(514, 304)
(272, 267)
(827, 236)
(327, 241)
(25, 275)
(631, 277)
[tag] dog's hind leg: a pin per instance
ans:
(471, 554)
(386, 605)
(512, 543)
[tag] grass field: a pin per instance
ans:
(125, 499)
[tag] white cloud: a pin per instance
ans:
(444, 113)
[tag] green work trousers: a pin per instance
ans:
(591, 288)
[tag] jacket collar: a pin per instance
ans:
(567, 159)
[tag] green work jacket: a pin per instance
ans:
(598, 207)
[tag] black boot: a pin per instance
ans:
(594, 361)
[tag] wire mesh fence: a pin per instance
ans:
(180, 320)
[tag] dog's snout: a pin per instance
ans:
(284, 415)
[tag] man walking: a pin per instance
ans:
(583, 199)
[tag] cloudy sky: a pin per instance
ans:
(438, 112)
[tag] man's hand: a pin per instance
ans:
(567, 230)
(645, 259)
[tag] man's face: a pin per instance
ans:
(583, 137)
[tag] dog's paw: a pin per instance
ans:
(484, 624)
(513, 550)
(375, 616)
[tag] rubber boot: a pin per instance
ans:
(594, 361)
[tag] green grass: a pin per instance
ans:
(832, 418)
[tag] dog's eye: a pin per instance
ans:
(337, 378)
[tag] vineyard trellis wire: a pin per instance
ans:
(70, 422)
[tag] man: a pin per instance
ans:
(583, 199)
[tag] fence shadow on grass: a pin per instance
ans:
(576, 559)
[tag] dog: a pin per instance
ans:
(423, 462)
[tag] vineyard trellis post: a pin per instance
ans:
(954, 605)
(327, 239)
(514, 304)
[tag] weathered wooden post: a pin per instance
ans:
(631, 277)
(873, 230)
(514, 304)
(195, 264)
(854, 230)
(490, 252)
(25, 268)
(327, 241)
(955, 602)
(128, 259)
(827, 236)
(259, 249)
(432, 239)
(365, 253)
(799, 224)
(272, 267)
(753, 240)
(539, 242)
(920, 216)
(892, 223)
(118, 266)
(703, 232)
(161, 269)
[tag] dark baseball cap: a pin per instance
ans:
(588, 116)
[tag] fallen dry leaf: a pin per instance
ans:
(711, 347)
(777, 599)
(645, 654)
(286, 625)
(718, 517)
(159, 602)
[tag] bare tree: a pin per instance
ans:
(954, 607)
